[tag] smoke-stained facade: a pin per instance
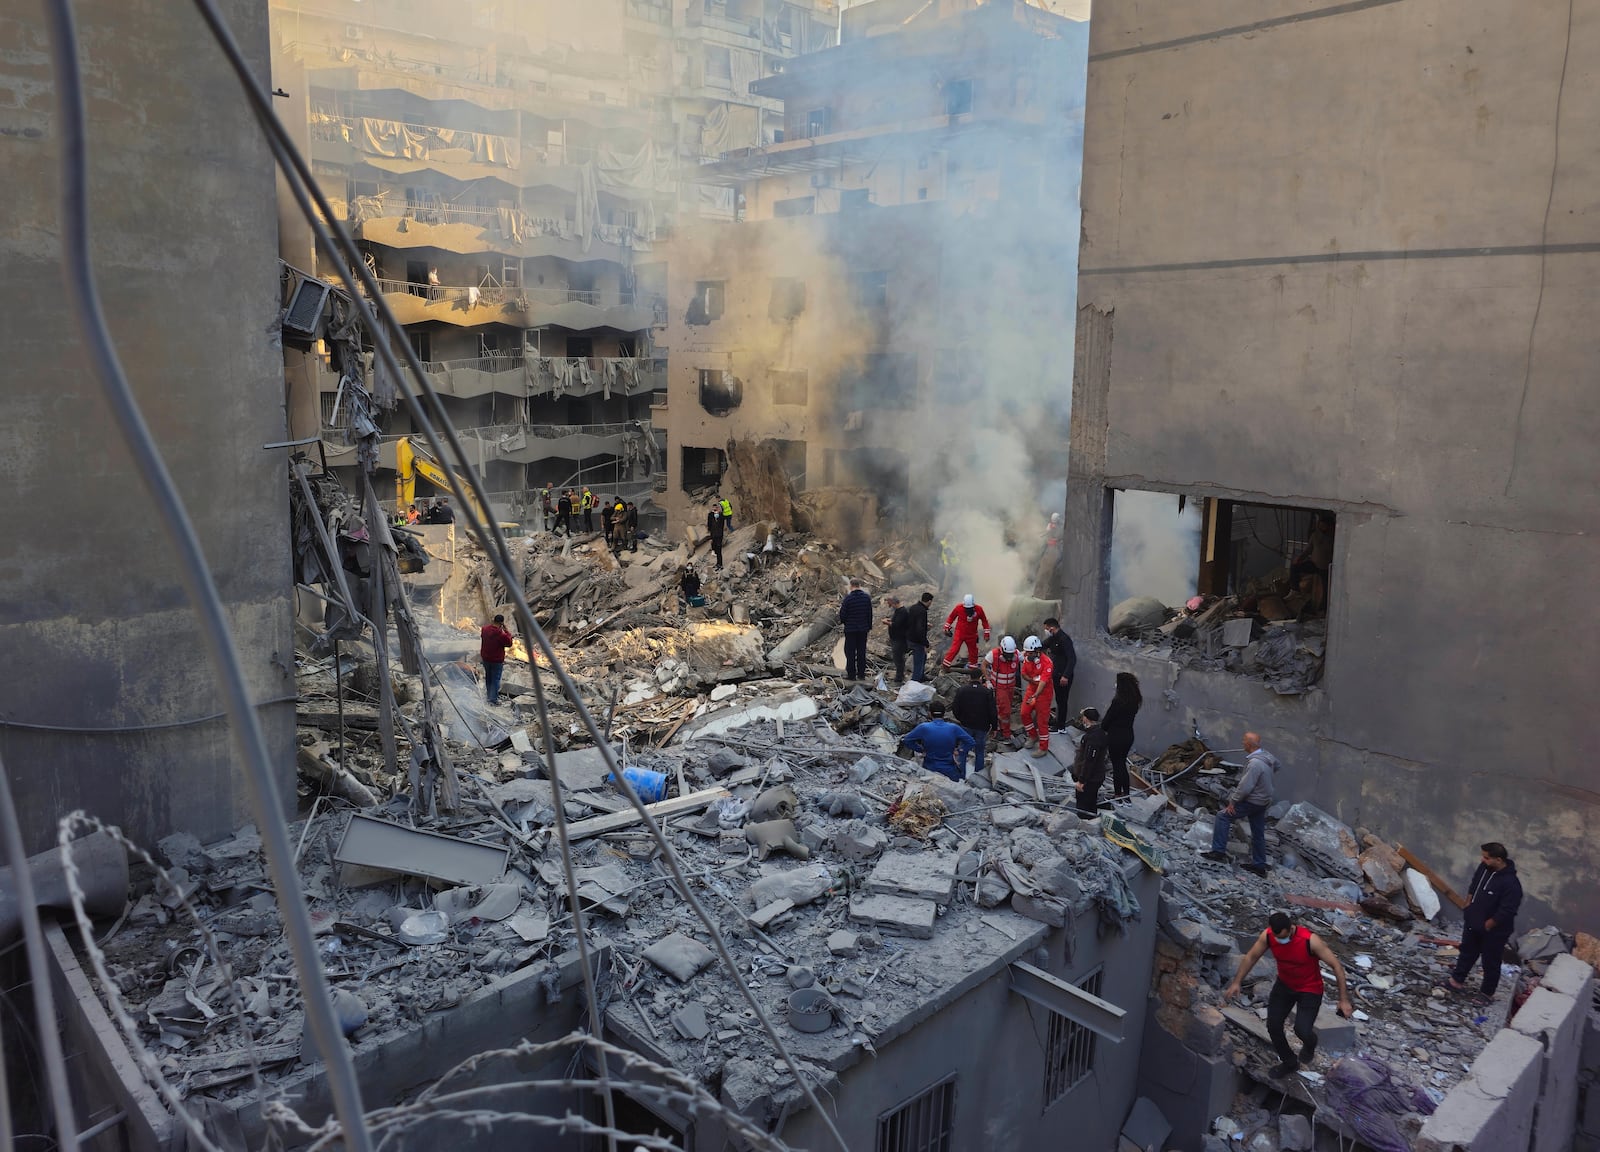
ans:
(510, 171)
(893, 304)
(1346, 260)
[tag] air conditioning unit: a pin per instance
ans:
(304, 314)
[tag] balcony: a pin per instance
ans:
(512, 374)
(468, 306)
(528, 443)
(468, 229)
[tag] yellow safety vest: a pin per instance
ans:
(586, 503)
(947, 553)
(727, 510)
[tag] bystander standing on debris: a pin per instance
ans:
(547, 502)
(1251, 799)
(688, 586)
(1300, 955)
(1125, 702)
(944, 745)
(855, 613)
(630, 524)
(564, 513)
(899, 620)
(493, 642)
(442, 512)
(974, 709)
(716, 525)
(917, 635)
(1489, 918)
(607, 521)
(1089, 765)
(1064, 665)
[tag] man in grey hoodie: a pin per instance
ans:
(1251, 799)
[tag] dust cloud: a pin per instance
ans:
(1155, 548)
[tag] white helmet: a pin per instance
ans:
(1031, 644)
(967, 601)
(1008, 646)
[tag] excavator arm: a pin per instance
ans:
(412, 461)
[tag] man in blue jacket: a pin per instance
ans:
(944, 746)
(1490, 917)
(855, 613)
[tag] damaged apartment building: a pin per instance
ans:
(899, 268)
(1346, 335)
(509, 174)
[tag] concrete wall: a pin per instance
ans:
(1373, 300)
(994, 1042)
(95, 631)
(1522, 1091)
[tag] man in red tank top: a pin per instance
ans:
(1300, 955)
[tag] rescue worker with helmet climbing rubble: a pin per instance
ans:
(963, 623)
(1038, 692)
(1002, 669)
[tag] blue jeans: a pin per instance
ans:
(919, 661)
(491, 680)
(1257, 815)
(980, 744)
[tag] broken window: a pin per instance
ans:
(958, 98)
(924, 1123)
(792, 456)
(795, 206)
(702, 468)
(788, 387)
(788, 298)
(1223, 585)
(1069, 1055)
(720, 391)
(719, 67)
(817, 121)
(709, 298)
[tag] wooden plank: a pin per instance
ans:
(616, 821)
(1434, 878)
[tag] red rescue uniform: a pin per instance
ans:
(1004, 673)
(1038, 694)
(963, 624)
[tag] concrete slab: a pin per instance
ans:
(895, 914)
(1145, 1129)
(1556, 1022)
(372, 843)
(923, 875)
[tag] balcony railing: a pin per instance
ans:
(524, 226)
(498, 294)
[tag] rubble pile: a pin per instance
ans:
(1271, 633)
(1364, 897)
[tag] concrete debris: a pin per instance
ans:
(1135, 614)
(776, 836)
(1145, 1129)
(1272, 633)
(1322, 839)
(679, 956)
(690, 1022)
(1420, 894)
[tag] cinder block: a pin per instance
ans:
(1571, 977)
(1493, 1108)
(1334, 1032)
(1555, 1021)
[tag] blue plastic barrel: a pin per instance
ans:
(651, 786)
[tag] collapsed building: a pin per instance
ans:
(916, 962)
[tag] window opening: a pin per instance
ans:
(1070, 1050)
(922, 1124)
(958, 98)
(720, 391)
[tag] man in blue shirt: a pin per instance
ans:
(944, 746)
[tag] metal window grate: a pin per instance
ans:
(921, 1124)
(1070, 1055)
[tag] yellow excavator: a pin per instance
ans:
(413, 460)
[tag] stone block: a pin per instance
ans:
(767, 913)
(1420, 894)
(1205, 1029)
(1058, 879)
(1145, 1129)
(992, 892)
(843, 943)
(1146, 810)
(1294, 1133)
(1045, 909)
(1570, 976)
(1214, 943)
(1384, 879)
(1011, 816)
(1236, 633)
(1334, 1032)
(923, 875)
(1320, 838)
(1185, 932)
(1493, 1108)
(859, 840)
(895, 914)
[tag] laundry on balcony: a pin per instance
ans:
(401, 141)
(558, 375)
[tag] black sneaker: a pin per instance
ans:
(1308, 1052)
(1258, 869)
(1287, 1068)
(1219, 857)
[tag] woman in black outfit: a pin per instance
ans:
(1118, 725)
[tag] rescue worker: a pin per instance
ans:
(963, 623)
(630, 521)
(1003, 667)
(586, 506)
(1038, 693)
(606, 522)
(944, 745)
(949, 561)
(726, 508)
(564, 513)
(716, 525)
(548, 500)
(619, 526)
